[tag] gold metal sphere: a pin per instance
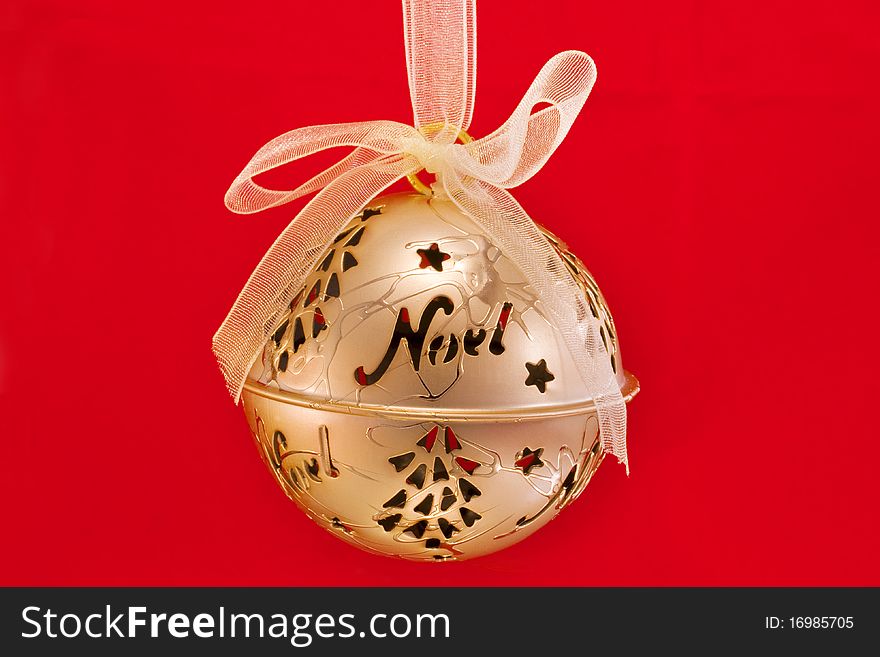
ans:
(416, 401)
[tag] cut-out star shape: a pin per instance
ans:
(539, 375)
(432, 257)
(530, 460)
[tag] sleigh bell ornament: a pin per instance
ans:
(428, 375)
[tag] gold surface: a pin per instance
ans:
(451, 452)
(470, 415)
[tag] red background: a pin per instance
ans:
(721, 184)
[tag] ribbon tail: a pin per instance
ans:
(280, 274)
(515, 234)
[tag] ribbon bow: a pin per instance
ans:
(441, 63)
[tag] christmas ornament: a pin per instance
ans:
(428, 375)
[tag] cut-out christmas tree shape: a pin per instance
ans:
(328, 260)
(299, 335)
(390, 522)
(279, 332)
(424, 507)
(348, 261)
(469, 517)
(313, 293)
(418, 529)
(355, 239)
(468, 490)
(398, 501)
(417, 478)
(427, 441)
(466, 464)
(402, 462)
(332, 290)
(440, 472)
(447, 527)
(448, 499)
(318, 322)
(425, 470)
(451, 440)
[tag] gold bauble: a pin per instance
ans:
(415, 401)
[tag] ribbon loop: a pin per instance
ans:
(523, 144)
(371, 139)
(441, 62)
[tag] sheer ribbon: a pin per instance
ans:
(441, 62)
